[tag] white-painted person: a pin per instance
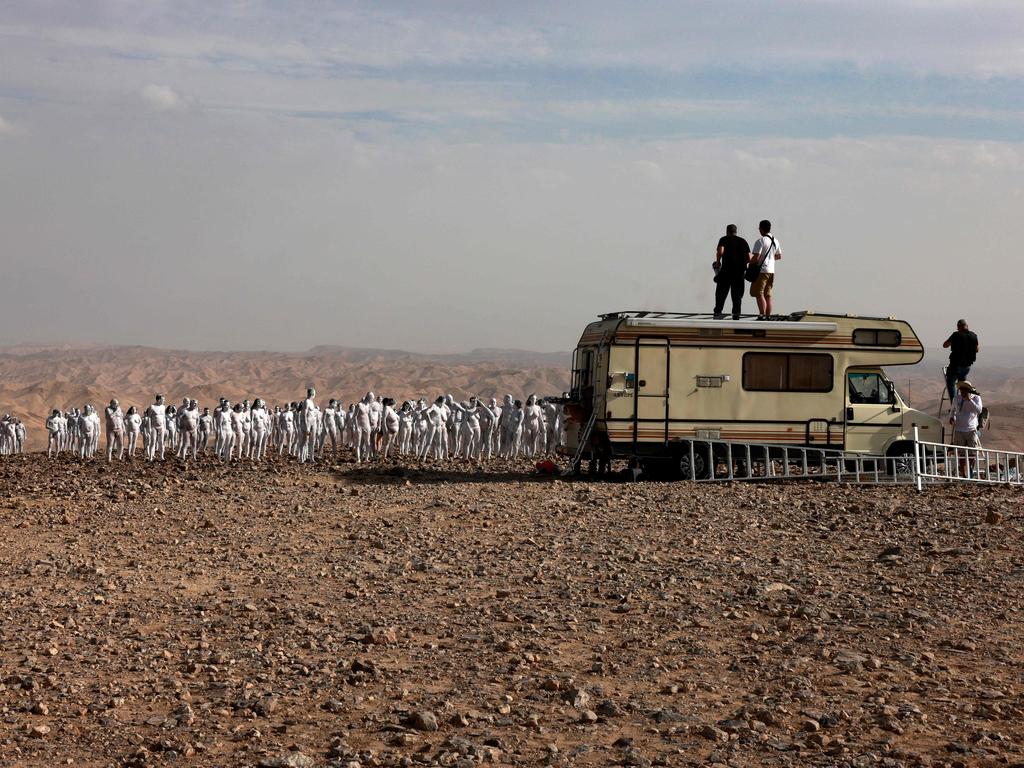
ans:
(363, 426)
(221, 413)
(188, 430)
(329, 430)
(376, 411)
(171, 420)
(96, 426)
(245, 446)
(515, 436)
(453, 424)
(205, 428)
(490, 415)
(435, 435)
(9, 436)
(85, 433)
(389, 426)
(132, 429)
(505, 427)
(341, 425)
(287, 418)
(261, 426)
(64, 441)
(225, 432)
(309, 426)
(114, 417)
(177, 417)
(533, 427)
(53, 430)
(553, 418)
(237, 421)
(406, 419)
(157, 417)
(467, 419)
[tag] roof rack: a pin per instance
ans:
(656, 315)
(791, 317)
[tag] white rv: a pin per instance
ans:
(653, 383)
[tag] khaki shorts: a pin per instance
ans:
(762, 286)
(966, 439)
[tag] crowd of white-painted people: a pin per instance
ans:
(12, 435)
(372, 427)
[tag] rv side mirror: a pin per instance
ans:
(894, 403)
(849, 414)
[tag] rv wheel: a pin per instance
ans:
(701, 462)
(901, 460)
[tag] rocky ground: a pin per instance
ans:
(348, 616)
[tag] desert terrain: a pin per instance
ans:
(419, 614)
(410, 614)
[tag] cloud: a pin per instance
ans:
(5, 126)
(648, 170)
(162, 98)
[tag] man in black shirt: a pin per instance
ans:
(963, 351)
(730, 262)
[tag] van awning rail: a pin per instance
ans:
(792, 317)
(793, 322)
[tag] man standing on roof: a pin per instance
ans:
(963, 351)
(766, 252)
(730, 261)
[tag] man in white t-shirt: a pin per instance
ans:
(963, 416)
(766, 252)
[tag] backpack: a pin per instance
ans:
(984, 419)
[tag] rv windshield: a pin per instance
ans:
(869, 388)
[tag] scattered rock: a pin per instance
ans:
(291, 760)
(423, 720)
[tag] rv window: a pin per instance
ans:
(868, 388)
(780, 372)
(583, 370)
(874, 337)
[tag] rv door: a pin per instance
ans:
(652, 377)
(873, 415)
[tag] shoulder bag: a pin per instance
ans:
(754, 269)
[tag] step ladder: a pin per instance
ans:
(582, 444)
(583, 441)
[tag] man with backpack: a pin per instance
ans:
(765, 253)
(964, 416)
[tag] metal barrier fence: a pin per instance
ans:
(716, 460)
(937, 462)
(928, 464)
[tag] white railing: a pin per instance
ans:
(938, 462)
(928, 464)
(718, 460)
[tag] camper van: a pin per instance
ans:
(648, 385)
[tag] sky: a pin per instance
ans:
(442, 176)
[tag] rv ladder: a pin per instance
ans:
(582, 443)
